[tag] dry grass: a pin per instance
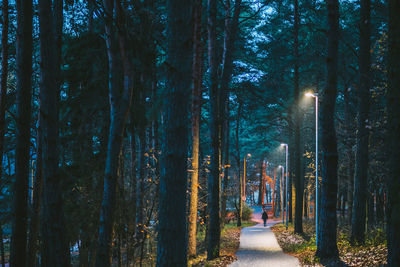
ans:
(372, 253)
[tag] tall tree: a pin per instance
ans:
(37, 193)
(196, 114)
(393, 108)
(298, 219)
(3, 95)
(120, 97)
(361, 164)
(172, 231)
(231, 28)
(24, 88)
(214, 177)
(55, 245)
(327, 247)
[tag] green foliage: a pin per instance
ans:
(247, 212)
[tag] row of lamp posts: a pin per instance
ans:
(243, 181)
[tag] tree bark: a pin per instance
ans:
(327, 247)
(214, 177)
(349, 153)
(298, 218)
(196, 115)
(37, 196)
(24, 87)
(55, 245)
(261, 192)
(239, 111)
(172, 231)
(3, 95)
(120, 100)
(231, 28)
(393, 111)
(361, 164)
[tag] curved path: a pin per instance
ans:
(259, 247)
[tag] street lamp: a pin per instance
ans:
(283, 208)
(315, 95)
(287, 183)
(244, 175)
(242, 190)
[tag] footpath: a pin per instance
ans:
(259, 247)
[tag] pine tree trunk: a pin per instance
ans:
(327, 247)
(120, 100)
(239, 111)
(361, 164)
(214, 177)
(226, 164)
(349, 153)
(393, 111)
(3, 95)
(196, 113)
(141, 182)
(55, 245)
(23, 115)
(37, 196)
(231, 28)
(172, 231)
(298, 223)
(261, 194)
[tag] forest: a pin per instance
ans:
(147, 133)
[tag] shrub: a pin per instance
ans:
(246, 212)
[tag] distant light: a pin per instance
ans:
(280, 166)
(283, 144)
(248, 155)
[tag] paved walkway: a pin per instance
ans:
(259, 247)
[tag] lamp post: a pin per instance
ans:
(283, 208)
(315, 95)
(287, 184)
(242, 190)
(244, 176)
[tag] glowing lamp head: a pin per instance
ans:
(283, 144)
(310, 94)
(249, 155)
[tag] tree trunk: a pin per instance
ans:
(37, 196)
(380, 206)
(196, 115)
(261, 192)
(361, 165)
(140, 185)
(226, 163)
(239, 111)
(327, 247)
(393, 111)
(120, 100)
(23, 115)
(3, 95)
(370, 210)
(298, 223)
(349, 153)
(55, 245)
(172, 233)
(214, 178)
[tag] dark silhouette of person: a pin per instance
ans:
(264, 217)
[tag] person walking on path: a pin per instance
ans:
(264, 217)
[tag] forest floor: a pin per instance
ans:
(230, 238)
(372, 253)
